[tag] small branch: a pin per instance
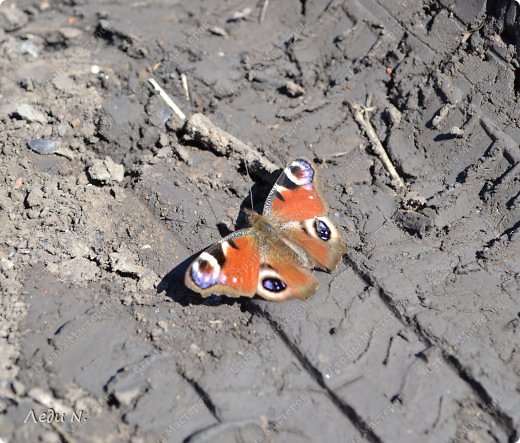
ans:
(201, 129)
(167, 99)
(264, 10)
(185, 86)
(361, 117)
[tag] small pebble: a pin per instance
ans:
(34, 198)
(293, 90)
(127, 397)
(394, 115)
(44, 146)
(163, 152)
(240, 15)
(456, 131)
(104, 172)
(163, 324)
(62, 130)
(182, 153)
(70, 33)
(216, 30)
(5, 264)
(29, 47)
(28, 113)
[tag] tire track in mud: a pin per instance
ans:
(504, 420)
(348, 410)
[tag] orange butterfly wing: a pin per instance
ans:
(236, 266)
(295, 195)
(319, 239)
(283, 278)
(297, 203)
(230, 267)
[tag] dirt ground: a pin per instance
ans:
(105, 198)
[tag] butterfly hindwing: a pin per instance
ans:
(319, 239)
(230, 267)
(283, 278)
(238, 266)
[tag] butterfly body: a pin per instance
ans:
(272, 237)
(273, 257)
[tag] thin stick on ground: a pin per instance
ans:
(250, 191)
(264, 10)
(167, 99)
(186, 87)
(201, 129)
(331, 157)
(362, 118)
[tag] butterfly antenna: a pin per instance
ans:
(250, 188)
(208, 202)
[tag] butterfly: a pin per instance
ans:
(274, 257)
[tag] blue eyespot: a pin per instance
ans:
(322, 229)
(204, 274)
(273, 284)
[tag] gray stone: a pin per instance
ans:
(6, 265)
(12, 18)
(27, 112)
(105, 172)
(44, 146)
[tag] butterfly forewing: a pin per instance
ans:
(230, 267)
(295, 195)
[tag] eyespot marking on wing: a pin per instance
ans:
(271, 281)
(273, 284)
(322, 229)
(300, 172)
(205, 271)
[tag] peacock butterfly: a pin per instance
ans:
(273, 257)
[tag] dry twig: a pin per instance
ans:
(201, 129)
(264, 10)
(186, 87)
(167, 99)
(362, 118)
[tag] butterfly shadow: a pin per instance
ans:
(173, 282)
(259, 192)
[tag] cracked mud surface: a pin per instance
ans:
(413, 338)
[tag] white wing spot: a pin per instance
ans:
(234, 279)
